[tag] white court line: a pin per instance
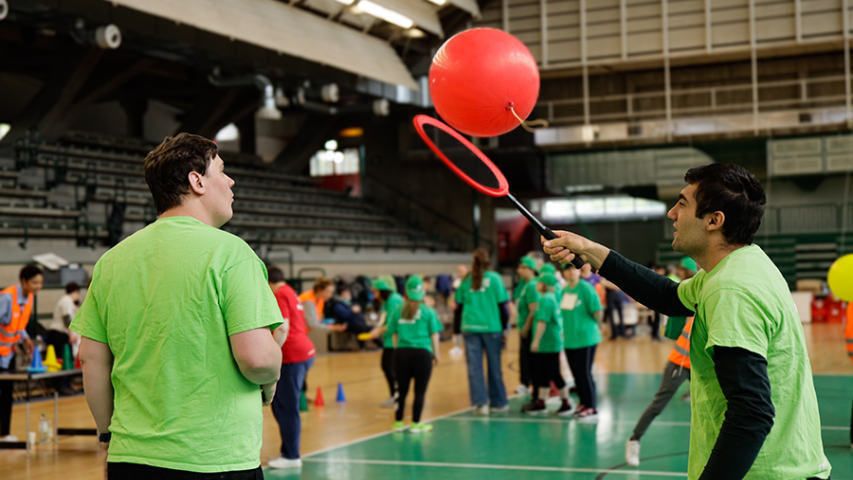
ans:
(567, 421)
(528, 468)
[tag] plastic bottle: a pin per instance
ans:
(43, 428)
(49, 429)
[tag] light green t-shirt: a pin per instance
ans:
(480, 308)
(578, 306)
(415, 332)
(527, 296)
(394, 302)
(744, 302)
(165, 300)
(549, 313)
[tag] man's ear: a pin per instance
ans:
(714, 220)
(196, 182)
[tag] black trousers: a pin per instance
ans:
(135, 471)
(59, 340)
(655, 326)
(545, 368)
(580, 363)
(524, 360)
(6, 401)
(388, 369)
(412, 364)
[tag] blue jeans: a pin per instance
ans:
(475, 345)
(285, 405)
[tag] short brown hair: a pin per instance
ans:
(168, 166)
(322, 283)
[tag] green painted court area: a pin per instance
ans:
(514, 446)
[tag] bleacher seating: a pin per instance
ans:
(60, 190)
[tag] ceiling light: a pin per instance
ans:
(331, 145)
(4, 129)
(352, 132)
(229, 133)
(345, 2)
(268, 110)
(389, 16)
(414, 33)
(438, 2)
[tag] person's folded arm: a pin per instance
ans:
(96, 360)
(749, 415)
(644, 285)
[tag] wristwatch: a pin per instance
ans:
(105, 437)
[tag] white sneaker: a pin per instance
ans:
(9, 438)
(390, 403)
(522, 390)
(456, 352)
(632, 452)
(481, 410)
(281, 462)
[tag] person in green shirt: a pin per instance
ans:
(481, 305)
(414, 328)
(526, 298)
(581, 310)
(754, 408)
(549, 267)
(545, 349)
(390, 301)
(177, 351)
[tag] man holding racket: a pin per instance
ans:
(748, 355)
(177, 352)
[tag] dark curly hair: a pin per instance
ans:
(730, 189)
(168, 166)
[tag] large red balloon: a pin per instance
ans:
(476, 77)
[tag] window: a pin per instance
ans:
(330, 162)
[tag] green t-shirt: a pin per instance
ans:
(480, 308)
(394, 302)
(578, 306)
(744, 302)
(549, 313)
(527, 296)
(519, 289)
(415, 332)
(166, 300)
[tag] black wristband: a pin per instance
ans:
(105, 437)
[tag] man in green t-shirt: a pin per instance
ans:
(754, 408)
(526, 298)
(177, 352)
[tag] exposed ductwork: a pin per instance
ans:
(268, 109)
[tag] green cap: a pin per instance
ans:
(548, 279)
(415, 288)
(529, 262)
(382, 284)
(689, 264)
(548, 268)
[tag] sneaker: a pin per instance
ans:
(390, 403)
(503, 409)
(632, 452)
(9, 438)
(565, 410)
(421, 428)
(527, 406)
(398, 427)
(587, 415)
(481, 410)
(686, 397)
(522, 390)
(281, 462)
(537, 408)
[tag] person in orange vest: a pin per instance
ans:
(16, 304)
(314, 301)
(848, 337)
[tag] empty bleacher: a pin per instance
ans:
(90, 189)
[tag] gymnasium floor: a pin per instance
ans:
(351, 440)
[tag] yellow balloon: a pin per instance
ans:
(840, 278)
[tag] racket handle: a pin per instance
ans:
(539, 226)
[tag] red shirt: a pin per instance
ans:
(298, 347)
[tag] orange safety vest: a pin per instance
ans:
(680, 355)
(11, 334)
(319, 303)
(848, 331)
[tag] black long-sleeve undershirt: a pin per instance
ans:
(742, 374)
(749, 416)
(644, 285)
(503, 311)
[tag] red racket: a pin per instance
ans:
(474, 167)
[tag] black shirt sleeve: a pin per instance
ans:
(749, 417)
(503, 309)
(645, 286)
(457, 314)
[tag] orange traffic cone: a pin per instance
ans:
(318, 402)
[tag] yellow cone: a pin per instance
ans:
(50, 361)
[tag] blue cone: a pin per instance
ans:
(36, 366)
(341, 397)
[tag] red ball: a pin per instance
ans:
(476, 77)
